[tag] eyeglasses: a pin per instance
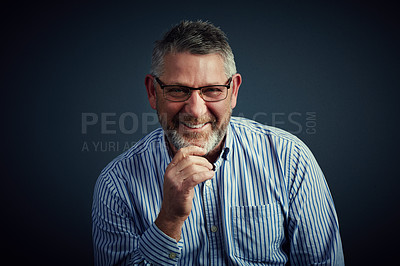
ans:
(211, 93)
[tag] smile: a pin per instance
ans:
(194, 126)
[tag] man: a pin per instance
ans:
(208, 188)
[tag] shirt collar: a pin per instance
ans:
(165, 148)
(226, 152)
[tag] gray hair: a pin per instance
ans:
(195, 37)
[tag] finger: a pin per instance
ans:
(192, 170)
(197, 178)
(193, 160)
(187, 151)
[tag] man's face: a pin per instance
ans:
(194, 121)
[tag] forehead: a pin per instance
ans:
(193, 68)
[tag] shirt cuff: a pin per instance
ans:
(158, 248)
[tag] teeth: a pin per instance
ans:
(194, 126)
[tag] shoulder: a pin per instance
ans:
(150, 144)
(130, 170)
(252, 133)
(246, 126)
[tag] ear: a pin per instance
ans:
(151, 91)
(236, 81)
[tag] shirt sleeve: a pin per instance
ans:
(116, 237)
(313, 224)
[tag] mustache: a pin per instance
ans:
(196, 120)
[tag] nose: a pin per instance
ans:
(195, 105)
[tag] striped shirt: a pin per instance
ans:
(268, 204)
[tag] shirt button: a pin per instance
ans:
(214, 229)
(172, 255)
(208, 183)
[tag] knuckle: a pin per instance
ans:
(199, 177)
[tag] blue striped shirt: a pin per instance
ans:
(268, 203)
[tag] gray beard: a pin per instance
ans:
(179, 140)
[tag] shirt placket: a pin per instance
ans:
(213, 223)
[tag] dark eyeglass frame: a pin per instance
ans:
(162, 85)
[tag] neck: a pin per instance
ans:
(213, 155)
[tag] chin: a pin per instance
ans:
(180, 141)
(204, 145)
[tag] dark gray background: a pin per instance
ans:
(337, 60)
